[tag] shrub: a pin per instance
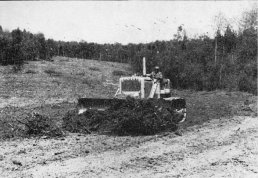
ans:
(246, 84)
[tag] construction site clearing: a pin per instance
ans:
(42, 133)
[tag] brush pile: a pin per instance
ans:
(40, 125)
(132, 117)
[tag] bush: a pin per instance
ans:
(246, 84)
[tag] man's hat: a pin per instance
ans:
(156, 67)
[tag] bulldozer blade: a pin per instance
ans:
(100, 104)
(177, 104)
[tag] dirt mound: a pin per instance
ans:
(132, 117)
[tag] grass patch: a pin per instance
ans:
(64, 59)
(91, 83)
(80, 73)
(119, 73)
(56, 81)
(205, 106)
(94, 69)
(53, 73)
(30, 72)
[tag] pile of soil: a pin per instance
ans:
(132, 117)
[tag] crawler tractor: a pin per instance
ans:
(139, 87)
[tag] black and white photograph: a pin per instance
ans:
(128, 89)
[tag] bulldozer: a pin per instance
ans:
(139, 87)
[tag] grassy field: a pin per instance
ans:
(64, 79)
(52, 88)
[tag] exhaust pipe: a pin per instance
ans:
(144, 66)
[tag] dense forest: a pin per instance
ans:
(227, 61)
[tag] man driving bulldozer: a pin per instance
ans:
(157, 78)
(156, 74)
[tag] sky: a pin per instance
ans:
(117, 22)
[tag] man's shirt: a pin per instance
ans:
(156, 75)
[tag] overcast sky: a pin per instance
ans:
(123, 22)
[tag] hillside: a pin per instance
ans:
(63, 79)
(219, 135)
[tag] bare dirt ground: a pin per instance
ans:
(219, 148)
(220, 135)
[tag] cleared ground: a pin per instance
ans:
(220, 136)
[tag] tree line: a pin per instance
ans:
(227, 61)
